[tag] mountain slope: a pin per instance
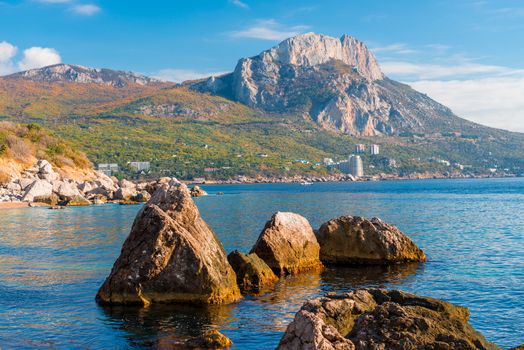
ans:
(22, 145)
(335, 82)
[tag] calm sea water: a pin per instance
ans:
(53, 262)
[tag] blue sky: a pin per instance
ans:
(467, 54)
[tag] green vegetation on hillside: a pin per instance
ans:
(23, 144)
(187, 134)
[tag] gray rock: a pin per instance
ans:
(65, 189)
(44, 167)
(39, 188)
(125, 193)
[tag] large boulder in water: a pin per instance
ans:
(350, 240)
(377, 319)
(288, 245)
(253, 274)
(171, 255)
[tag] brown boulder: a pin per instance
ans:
(77, 201)
(142, 196)
(288, 245)
(52, 199)
(171, 255)
(350, 240)
(211, 339)
(377, 319)
(253, 274)
(197, 191)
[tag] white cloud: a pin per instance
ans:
(181, 75)
(7, 53)
(85, 9)
(268, 30)
(414, 71)
(398, 48)
(239, 3)
(37, 57)
(492, 101)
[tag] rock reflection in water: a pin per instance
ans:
(161, 326)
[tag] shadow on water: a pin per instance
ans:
(250, 321)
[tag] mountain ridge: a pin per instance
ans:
(63, 72)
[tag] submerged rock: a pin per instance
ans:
(197, 191)
(377, 319)
(288, 245)
(253, 274)
(211, 339)
(350, 240)
(171, 255)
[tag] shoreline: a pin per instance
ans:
(298, 181)
(17, 205)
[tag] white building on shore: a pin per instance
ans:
(374, 149)
(360, 148)
(140, 166)
(108, 168)
(356, 167)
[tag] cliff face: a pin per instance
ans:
(336, 82)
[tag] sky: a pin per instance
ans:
(466, 54)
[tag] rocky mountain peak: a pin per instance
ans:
(313, 49)
(80, 74)
(335, 82)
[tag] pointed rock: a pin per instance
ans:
(288, 245)
(171, 255)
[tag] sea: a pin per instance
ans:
(52, 263)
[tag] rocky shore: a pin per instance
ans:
(42, 185)
(343, 178)
(173, 256)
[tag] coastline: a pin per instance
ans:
(298, 180)
(13, 205)
(251, 181)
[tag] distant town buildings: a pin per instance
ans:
(199, 180)
(140, 166)
(392, 163)
(360, 148)
(108, 168)
(356, 167)
(374, 149)
(342, 166)
(328, 161)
